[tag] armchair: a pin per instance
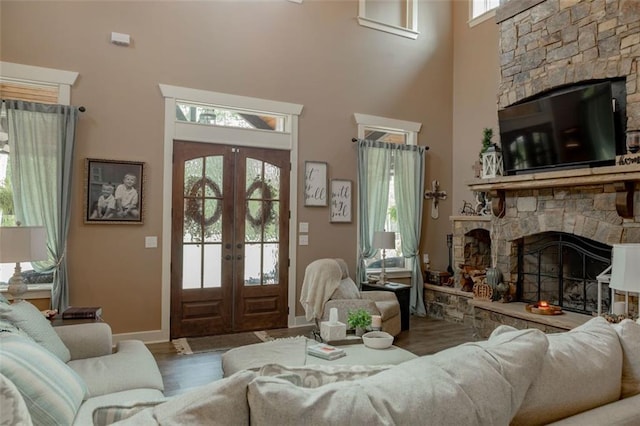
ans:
(327, 285)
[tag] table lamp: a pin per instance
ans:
(21, 244)
(625, 270)
(384, 240)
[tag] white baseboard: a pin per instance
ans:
(151, 336)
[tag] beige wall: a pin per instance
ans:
(475, 95)
(312, 53)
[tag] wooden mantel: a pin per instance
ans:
(623, 178)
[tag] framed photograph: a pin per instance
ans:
(341, 200)
(114, 192)
(315, 183)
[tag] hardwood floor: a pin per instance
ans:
(184, 372)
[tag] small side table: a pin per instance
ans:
(402, 292)
(59, 321)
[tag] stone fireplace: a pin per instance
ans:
(546, 45)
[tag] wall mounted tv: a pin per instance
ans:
(583, 126)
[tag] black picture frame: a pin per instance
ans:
(121, 202)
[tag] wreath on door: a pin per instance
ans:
(265, 212)
(195, 211)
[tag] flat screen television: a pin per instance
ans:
(578, 127)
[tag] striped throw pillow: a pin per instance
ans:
(52, 391)
(29, 319)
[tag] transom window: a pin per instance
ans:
(213, 115)
(481, 10)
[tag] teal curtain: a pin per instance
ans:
(374, 166)
(409, 168)
(42, 140)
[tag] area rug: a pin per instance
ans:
(220, 343)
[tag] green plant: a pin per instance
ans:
(359, 318)
(487, 135)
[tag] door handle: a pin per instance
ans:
(239, 257)
(239, 245)
(227, 246)
(227, 257)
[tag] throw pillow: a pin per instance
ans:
(314, 376)
(629, 333)
(472, 384)
(581, 370)
(28, 318)
(51, 390)
(223, 402)
(14, 410)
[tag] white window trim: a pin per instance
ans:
(412, 19)
(10, 71)
(230, 136)
(411, 128)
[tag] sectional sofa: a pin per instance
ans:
(587, 376)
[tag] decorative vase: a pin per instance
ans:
(494, 277)
(360, 331)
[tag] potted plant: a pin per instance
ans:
(359, 320)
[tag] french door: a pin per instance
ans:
(230, 237)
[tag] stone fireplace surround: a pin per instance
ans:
(548, 44)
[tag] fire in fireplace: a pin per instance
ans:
(562, 269)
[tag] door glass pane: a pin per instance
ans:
(192, 173)
(270, 264)
(191, 266)
(272, 178)
(253, 174)
(254, 218)
(213, 173)
(272, 227)
(252, 262)
(192, 228)
(212, 220)
(212, 266)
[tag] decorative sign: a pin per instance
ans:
(315, 183)
(340, 200)
(627, 159)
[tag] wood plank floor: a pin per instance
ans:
(184, 372)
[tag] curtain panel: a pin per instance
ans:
(375, 161)
(42, 140)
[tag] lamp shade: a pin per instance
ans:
(22, 243)
(384, 240)
(625, 267)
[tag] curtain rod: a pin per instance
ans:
(80, 108)
(356, 140)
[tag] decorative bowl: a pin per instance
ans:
(377, 339)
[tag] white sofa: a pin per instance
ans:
(587, 376)
(60, 375)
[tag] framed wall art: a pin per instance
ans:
(341, 200)
(315, 183)
(114, 192)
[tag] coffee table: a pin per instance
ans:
(292, 352)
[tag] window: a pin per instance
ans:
(33, 84)
(481, 10)
(219, 116)
(390, 131)
(399, 17)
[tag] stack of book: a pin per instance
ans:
(82, 312)
(324, 351)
